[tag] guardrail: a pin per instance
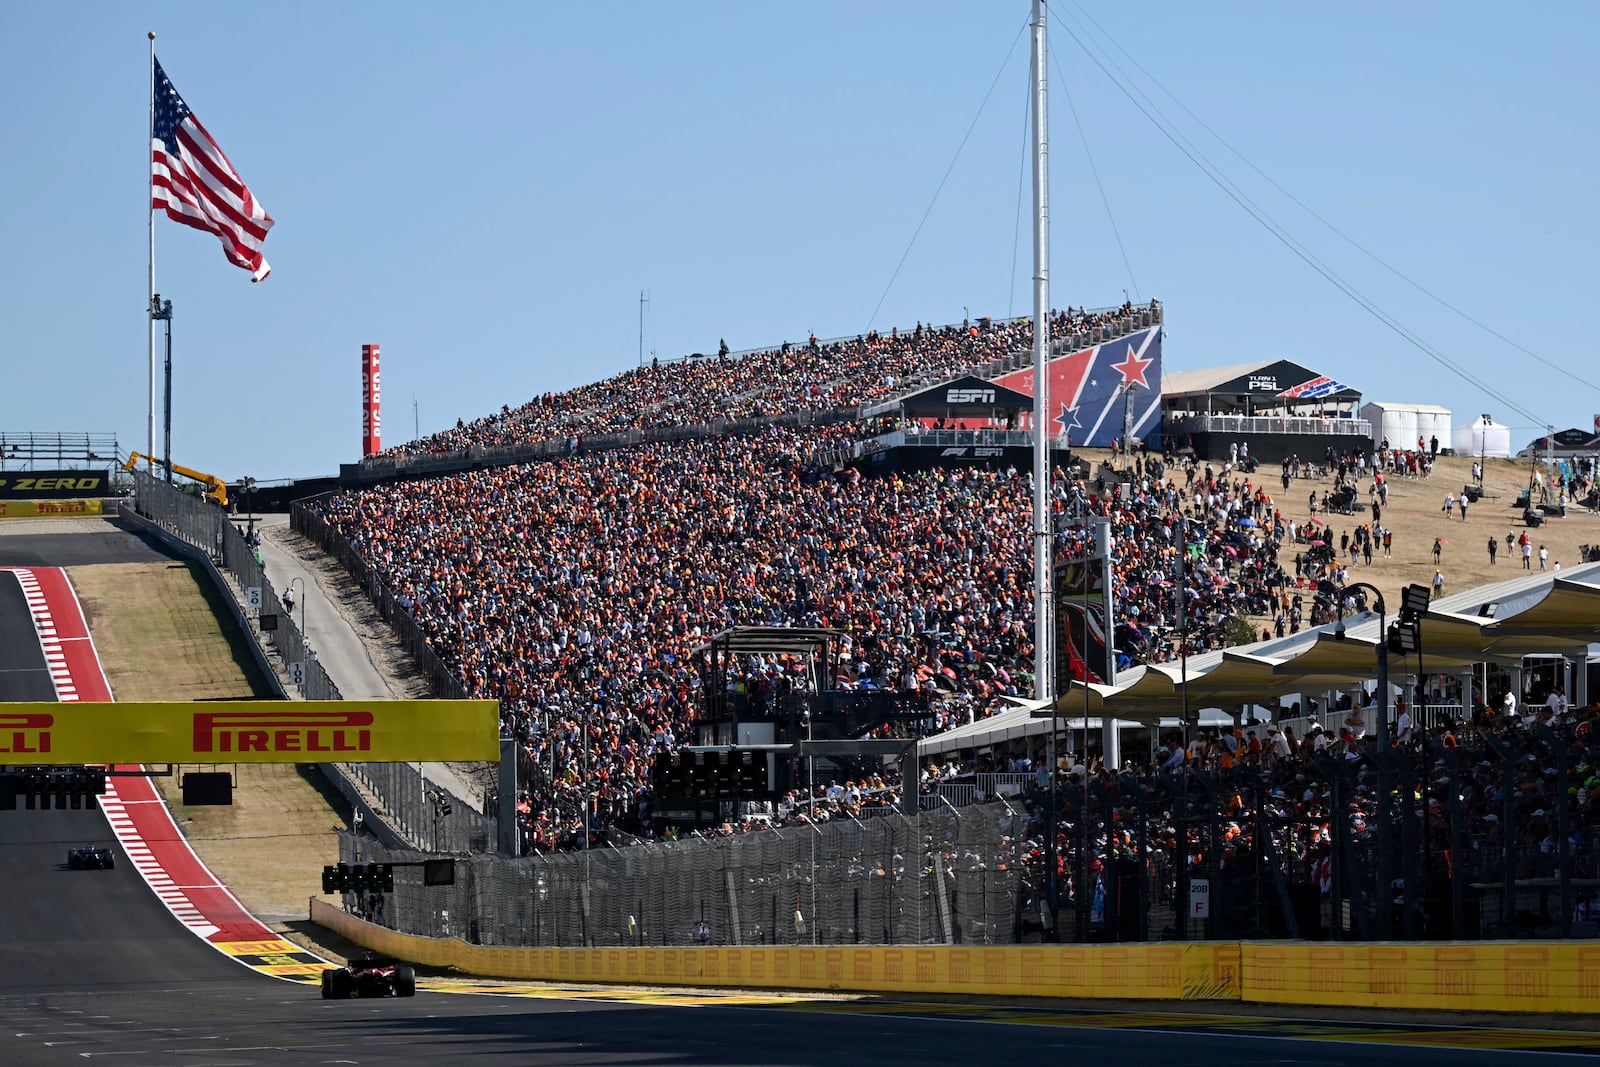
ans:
(1528, 976)
(1175, 424)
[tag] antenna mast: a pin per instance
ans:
(643, 300)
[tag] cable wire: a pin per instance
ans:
(964, 138)
(1061, 79)
(1261, 217)
(1016, 224)
(1357, 245)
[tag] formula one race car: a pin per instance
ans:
(86, 857)
(369, 976)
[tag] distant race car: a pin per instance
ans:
(369, 976)
(87, 857)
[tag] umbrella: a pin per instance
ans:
(1319, 543)
(1247, 521)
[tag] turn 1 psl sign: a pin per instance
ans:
(386, 731)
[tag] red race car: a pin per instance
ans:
(369, 976)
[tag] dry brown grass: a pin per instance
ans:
(161, 633)
(1414, 516)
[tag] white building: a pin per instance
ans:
(1404, 424)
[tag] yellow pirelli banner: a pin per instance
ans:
(38, 509)
(247, 731)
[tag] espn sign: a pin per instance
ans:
(250, 731)
(969, 396)
(26, 733)
(233, 732)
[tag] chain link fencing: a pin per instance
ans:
(943, 877)
(423, 814)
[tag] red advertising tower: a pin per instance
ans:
(370, 434)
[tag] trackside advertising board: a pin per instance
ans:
(244, 731)
(53, 485)
(41, 509)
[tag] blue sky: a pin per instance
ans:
(485, 189)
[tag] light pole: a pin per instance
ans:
(1483, 445)
(248, 487)
(1383, 657)
(1385, 912)
(161, 311)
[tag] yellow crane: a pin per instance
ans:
(216, 488)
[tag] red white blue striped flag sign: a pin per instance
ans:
(192, 179)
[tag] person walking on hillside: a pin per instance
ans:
(1438, 584)
(1527, 553)
(1388, 543)
(1544, 554)
(1438, 550)
(1462, 504)
(1449, 504)
(1494, 546)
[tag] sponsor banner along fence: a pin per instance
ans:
(36, 509)
(54, 485)
(1195, 971)
(250, 732)
(1454, 976)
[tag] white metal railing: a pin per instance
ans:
(1266, 424)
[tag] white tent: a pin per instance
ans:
(1403, 424)
(1479, 438)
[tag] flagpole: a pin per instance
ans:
(150, 220)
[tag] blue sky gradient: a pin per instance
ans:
(485, 189)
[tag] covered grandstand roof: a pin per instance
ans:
(1264, 379)
(1542, 612)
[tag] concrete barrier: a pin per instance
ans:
(1510, 976)
(1160, 971)
(1499, 976)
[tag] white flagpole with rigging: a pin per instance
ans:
(1043, 528)
(149, 301)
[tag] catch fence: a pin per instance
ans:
(420, 812)
(939, 878)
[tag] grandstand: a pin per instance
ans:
(845, 386)
(569, 556)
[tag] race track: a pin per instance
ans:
(96, 970)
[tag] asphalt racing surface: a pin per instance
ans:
(94, 969)
(92, 541)
(24, 675)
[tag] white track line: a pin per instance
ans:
(44, 625)
(144, 861)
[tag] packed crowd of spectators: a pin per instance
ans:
(808, 376)
(576, 590)
(1265, 780)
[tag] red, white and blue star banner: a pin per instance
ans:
(1087, 389)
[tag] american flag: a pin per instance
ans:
(192, 179)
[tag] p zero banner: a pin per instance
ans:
(36, 509)
(53, 485)
(371, 427)
(244, 731)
